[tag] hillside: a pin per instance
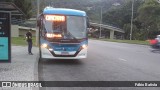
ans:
(92, 7)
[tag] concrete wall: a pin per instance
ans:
(22, 32)
(17, 31)
(14, 31)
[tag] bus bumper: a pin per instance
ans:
(46, 54)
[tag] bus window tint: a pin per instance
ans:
(76, 26)
(59, 26)
(48, 26)
(73, 27)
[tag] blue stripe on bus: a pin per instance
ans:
(64, 11)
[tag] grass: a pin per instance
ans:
(21, 41)
(126, 41)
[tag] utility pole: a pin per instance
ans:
(132, 20)
(37, 30)
(37, 7)
(100, 24)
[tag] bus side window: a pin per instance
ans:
(88, 25)
(43, 30)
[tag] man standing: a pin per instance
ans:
(29, 40)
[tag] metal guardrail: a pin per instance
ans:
(27, 28)
(16, 21)
(23, 23)
(108, 27)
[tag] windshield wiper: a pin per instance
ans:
(72, 35)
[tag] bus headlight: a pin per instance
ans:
(50, 49)
(44, 45)
(84, 46)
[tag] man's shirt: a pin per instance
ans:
(29, 37)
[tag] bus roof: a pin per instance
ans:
(64, 11)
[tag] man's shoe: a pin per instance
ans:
(30, 53)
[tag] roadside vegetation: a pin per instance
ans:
(140, 42)
(21, 41)
(146, 18)
(146, 15)
(24, 5)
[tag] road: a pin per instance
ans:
(107, 61)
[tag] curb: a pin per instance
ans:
(35, 71)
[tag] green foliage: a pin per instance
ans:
(24, 5)
(120, 16)
(21, 41)
(136, 33)
(92, 7)
(127, 41)
(149, 15)
(8, 0)
(146, 19)
(113, 17)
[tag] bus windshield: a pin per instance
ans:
(70, 27)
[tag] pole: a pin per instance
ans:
(37, 7)
(132, 20)
(100, 24)
(37, 30)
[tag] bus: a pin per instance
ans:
(63, 33)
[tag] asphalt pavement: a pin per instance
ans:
(107, 61)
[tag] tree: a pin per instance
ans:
(149, 16)
(24, 5)
(121, 17)
(9, 0)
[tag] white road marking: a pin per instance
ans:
(122, 59)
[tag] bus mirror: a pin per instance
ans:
(39, 20)
(88, 25)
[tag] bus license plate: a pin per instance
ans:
(64, 53)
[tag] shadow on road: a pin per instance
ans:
(52, 63)
(156, 51)
(60, 62)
